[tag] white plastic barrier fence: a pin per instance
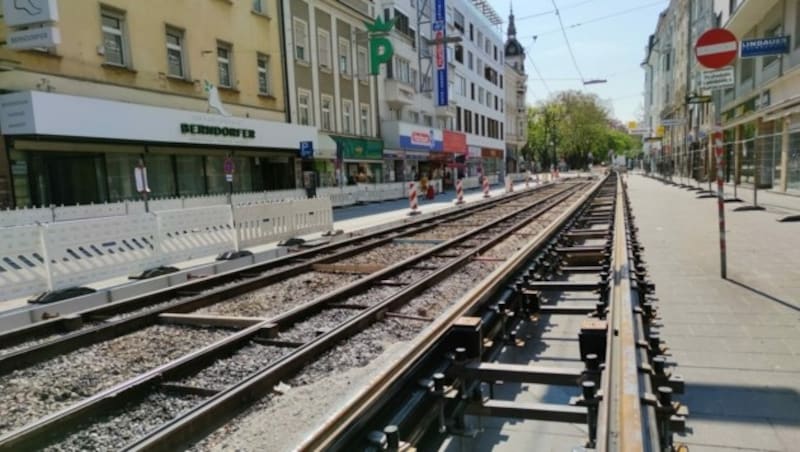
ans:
(471, 182)
(37, 258)
(18, 217)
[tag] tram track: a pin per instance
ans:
(586, 274)
(298, 329)
(47, 338)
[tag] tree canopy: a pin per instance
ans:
(572, 124)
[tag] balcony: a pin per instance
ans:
(522, 87)
(398, 94)
(747, 15)
(365, 7)
(446, 111)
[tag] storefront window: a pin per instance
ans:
(793, 169)
(215, 175)
(191, 179)
(243, 177)
(120, 168)
(19, 171)
(160, 175)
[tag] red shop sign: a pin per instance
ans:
(454, 142)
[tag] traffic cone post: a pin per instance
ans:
(412, 198)
(486, 187)
(459, 192)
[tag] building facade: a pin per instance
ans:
(175, 88)
(758, 114)
(330, 88)
(516, 82)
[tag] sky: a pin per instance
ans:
(608, 39)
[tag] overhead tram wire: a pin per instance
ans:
(601, 18)
(536, 69)
(566, 39)
(545, 13)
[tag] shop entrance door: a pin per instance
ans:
(73, 179)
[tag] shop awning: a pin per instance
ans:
(326, 147)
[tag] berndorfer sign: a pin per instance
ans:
(38, 17)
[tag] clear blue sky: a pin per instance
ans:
(608, 44)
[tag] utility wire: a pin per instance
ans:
(601, 18)
(566, 39)
(536, 69)
(545, 13)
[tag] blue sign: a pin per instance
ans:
(306, 149)
(757, 47)
(441, 53)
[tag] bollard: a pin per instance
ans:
(509, 185)
(459, 192)
(486, 187)
(527, 180)
(412, 198)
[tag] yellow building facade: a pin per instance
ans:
(128, 85)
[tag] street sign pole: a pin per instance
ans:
(718, 150)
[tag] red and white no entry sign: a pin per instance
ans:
(716, 48)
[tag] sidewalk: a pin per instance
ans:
(735, 341)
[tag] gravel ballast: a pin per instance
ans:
(30, 393)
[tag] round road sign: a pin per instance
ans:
(716, 48)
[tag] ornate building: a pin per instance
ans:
(516, 90)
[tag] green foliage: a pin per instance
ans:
(572, 124)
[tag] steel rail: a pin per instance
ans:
(214, 412)
(61, 421)
(624, 422)
(108, 330)
(293, 261)
(364, 405)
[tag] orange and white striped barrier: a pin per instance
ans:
(459, 192)
(412, 198)
(486, 187)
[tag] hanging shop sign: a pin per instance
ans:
(439, 30)
(416, 138)
(21, 13)
(359, 148)
(489, 153)
(454, 142)
(380, 47)
(775, 45)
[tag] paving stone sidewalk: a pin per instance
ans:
(736, 341)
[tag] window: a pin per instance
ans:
(459, 53)
(324, 48)
(258, 6)
(427, 120)
(480, 95)
(362, 62)
(413, 77)
(777, 30)
(467, 121)
(402, 70)
(347, 116)
(262, 62)
(458, 119)
(487, 46)
(469, 59)
(471, 33)
(495, 53)
(479, 66)
(472, 91)
(458, 20)
(461, 86)
(114, 40)
(401, 24)
(364, 116)
(326, 119)
(501, 80)
(304, 108)
(175, 64)
(224, 64)
(344, 56)
(480, 40)
(301, 40)
(413, 116)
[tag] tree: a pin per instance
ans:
(572, 124)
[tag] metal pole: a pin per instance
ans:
(720, 206)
